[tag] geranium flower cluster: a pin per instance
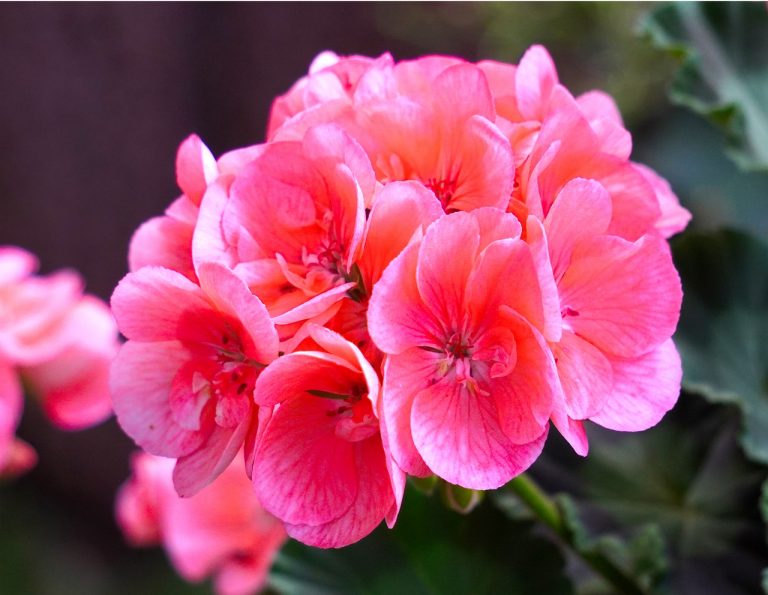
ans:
(426, 265)
(58, 344)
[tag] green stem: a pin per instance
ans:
(550, 514)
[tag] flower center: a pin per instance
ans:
(354, 416)
(443, 190)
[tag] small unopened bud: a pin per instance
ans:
(461, 499)
(426, 485)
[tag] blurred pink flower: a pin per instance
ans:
(221, 531)
(56, 340)
(182, 385)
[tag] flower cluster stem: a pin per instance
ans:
(548, 512)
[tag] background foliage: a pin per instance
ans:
(95, 100)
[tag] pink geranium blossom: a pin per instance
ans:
(182, 385)
(221, 531)
(321, 465)
(290, 221)
(469, 383)
(619, 303)
(56, 340)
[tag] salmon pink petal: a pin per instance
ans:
(525, 397)
(581, 211)
(292, 374)
(195, 168)
(550, 299)
(15, 264)
(190, 393)
(11, 403)
(335, 344)
(314, 306)
(153, 303)
(74, 386)
(644, 389)
(460, 92)
(400, 210)
(596, 104)
(404, 376)
(396, 474)
(231, 296)
(535, 78)
(614, 139)
(397, 317)
(572, 430)
(504, 274)
(446, 257)
(622, 297)
(458, 435)
(197, 469)
(585, 374)
(302, 472)
(163, 241)
(495, 225)
(674, 218)
(635, 209)
(483, 164)
(209, 243)
(140, 381)
(374, 499)
(328, 143)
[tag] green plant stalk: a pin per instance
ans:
(549, 513)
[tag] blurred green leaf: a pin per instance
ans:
(431, 550)
(724, 325)
(688, 477)
(723, 48)
(643, 557)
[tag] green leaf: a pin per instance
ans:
(723, 330)
(688, 477)
(643, 557)
(723, 48)
(431, 550)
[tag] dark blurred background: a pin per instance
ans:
(94, 100)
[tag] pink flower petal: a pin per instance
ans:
(163, 241)
(197, 469)
(15, 264)
(153, 303)
(195, 168)
(74, 386)
(404, 376)
(231, 296)
(536, 77)
(525, 396)
(623, 297)
(585, 374)
(397, 317)
(581, 211)
(11, 403)
(446, 257)
(550, 298)
(644, 389)
(459, 437)
(374, 499)
(302, 472)
(140, 381)
(400, 210)
(504, 275)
